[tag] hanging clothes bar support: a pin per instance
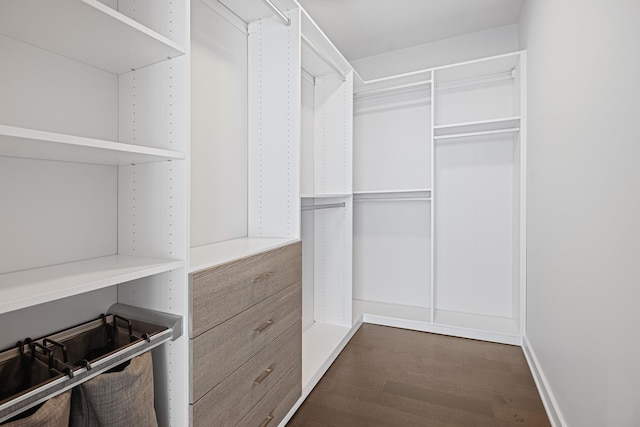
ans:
(326, 60)
(327, 206)
(278, 12)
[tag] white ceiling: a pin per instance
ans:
(361, 28)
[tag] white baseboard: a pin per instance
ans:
(307, 388)
(548, 400)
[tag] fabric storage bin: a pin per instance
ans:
(52, 413)
(121, 398)
(22, 372)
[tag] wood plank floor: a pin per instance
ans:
(394, 377)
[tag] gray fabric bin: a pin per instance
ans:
(117, 399)
(52, 413)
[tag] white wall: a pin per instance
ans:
(448, 51)
(583, 211)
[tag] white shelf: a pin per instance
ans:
(35, 144)
(477, 322)
(87, 31)
(26, 288)
(481, 127)
(208, 256)
(321, 344)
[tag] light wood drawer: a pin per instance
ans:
(221, 350)
(220, 293)
(278, 402)
(230, 400)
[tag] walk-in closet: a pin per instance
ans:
(302, 212)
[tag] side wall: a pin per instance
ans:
(583, 207)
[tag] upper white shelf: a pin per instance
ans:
(35, 144)
(87, 31)
(26, 288)
(477, 128)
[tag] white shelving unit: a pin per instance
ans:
(453, 261)
(392, 198)
(93, 164)
(326, 180)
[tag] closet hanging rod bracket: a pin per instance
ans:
(171, 321)
(285, 18)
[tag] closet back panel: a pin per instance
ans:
(475, 225)
(219, 186)
(44, 91)
(475, 101)
(391, 142)
(392, 247)
(58, 212)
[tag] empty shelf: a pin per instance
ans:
(87, 31)
(35, 144)
(26, 288)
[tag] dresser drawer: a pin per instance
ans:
(221, 292)
(278, 402)
(221, 350)
(230, 400)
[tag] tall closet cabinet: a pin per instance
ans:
(271, 111)
(93, 170)
(439, 241)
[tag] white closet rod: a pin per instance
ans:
(391, 89)
(487, 132)
(326, 60)
(394, 199)
(327, 206)
(278, 12)
(475, 81)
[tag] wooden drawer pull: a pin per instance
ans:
(261, 277)
(266, 421)
(263, 376)
(264, 327)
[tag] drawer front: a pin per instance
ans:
(219, 293)
(278, 402)
(232, 399)
(223, 349)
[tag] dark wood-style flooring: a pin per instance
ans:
(394, 377)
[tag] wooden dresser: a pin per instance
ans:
(246, 339)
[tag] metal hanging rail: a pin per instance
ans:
(326, 60)
(393, 199)
(366, 93)
(170, 328)
(487, 132)
(327, 206)
(278, 12)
